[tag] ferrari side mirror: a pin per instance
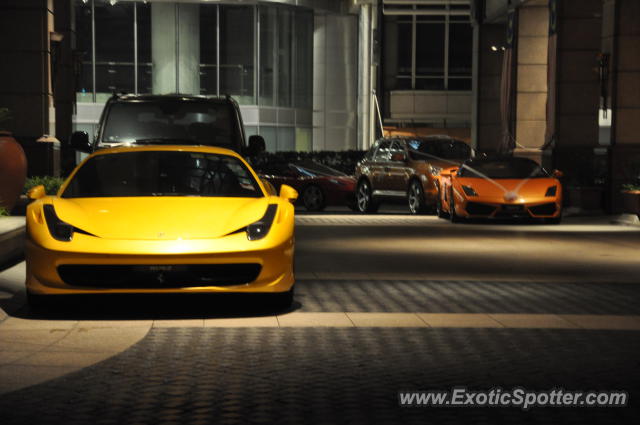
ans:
(80, 141)
(287, 192)
(36, 192)
(558, 174)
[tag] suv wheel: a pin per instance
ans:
(364, 198)
(313, 198)
(415, 198)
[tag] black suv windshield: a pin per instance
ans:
(162, 173)
(170, 121)
(511, 168)
(439, 148)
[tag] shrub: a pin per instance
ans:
(631, 186)
(51, 184)
(3, 212)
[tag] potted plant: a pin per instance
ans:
(13, 164)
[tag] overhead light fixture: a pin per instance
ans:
(113, 2)
(494, 48)
(85, 1)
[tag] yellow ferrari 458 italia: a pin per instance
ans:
(500, 188)
(161, 219)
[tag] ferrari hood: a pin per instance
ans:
(160, 218)
(531, 188)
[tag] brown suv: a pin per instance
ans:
(404, 169)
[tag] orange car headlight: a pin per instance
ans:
(260, 228)
(469, 191)
(551, 191)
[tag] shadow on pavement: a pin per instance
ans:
(155, 307)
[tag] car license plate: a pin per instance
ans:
(513, 208)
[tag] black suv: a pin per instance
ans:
(170, 119)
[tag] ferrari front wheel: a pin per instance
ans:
(283, 300)
(364, 198)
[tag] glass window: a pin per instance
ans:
(170, 121)
(284, 57)
(208, 49)
(145, 76)
(267, 55)
(163, 173)
(270, 137)
(83, 51)
(114, 47)
(404, 49)
(303, 139)
(430, 49)
(303, 40)
(236, 52)
(286, 139)
(384, 151)
(460, 55)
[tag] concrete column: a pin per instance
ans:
(335, 82)
(25, 70)
(488, 129)
(531, 91)
(175, 47)
(620, 39)
(65, 80)
(364, 78)
(576, 151)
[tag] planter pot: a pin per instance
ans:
(13, 170)
(631, 201)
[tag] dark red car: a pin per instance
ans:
(318, 186)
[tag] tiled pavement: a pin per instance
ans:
(332, 376)
(353, 340)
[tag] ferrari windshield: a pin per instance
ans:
(162, 173)
(169, 121)
(511, 168)
(313, 169)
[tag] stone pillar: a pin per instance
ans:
(620, 39)
(531, 90)
(25, 70)
(575, 132)
(175, 47)
(64, 83)
(26, 87)
(488, 129)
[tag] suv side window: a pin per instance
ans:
(397, 147)
(369, 155)
(384, 151)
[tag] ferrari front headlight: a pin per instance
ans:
(260, 228)
(551, 191)
(59, 230)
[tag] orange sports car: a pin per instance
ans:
(500, 188)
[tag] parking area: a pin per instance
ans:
(384, 303)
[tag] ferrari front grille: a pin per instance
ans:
(476, 208)
(544, 209)
(158, 276)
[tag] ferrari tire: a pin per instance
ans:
(364, 198)
(39, 303)
(313, 198)
(283, 300)
(415, 198)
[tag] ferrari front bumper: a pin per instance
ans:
(257, 266)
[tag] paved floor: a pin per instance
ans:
(383, 304)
